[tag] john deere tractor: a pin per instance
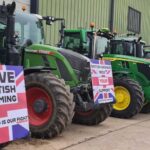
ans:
(131, 45)
(131, 73)
(47, 70)
(50, 102)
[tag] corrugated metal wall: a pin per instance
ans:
(121, 12)
(77, 13)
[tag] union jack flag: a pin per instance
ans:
(102, 81)
(14, 116)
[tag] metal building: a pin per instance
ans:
(113, 14)
(79, 14)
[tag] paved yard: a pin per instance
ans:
(113, 134)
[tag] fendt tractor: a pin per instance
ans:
(74, 68)
(50, 103)
(130, 69)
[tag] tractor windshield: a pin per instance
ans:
(122, 47)
(29, 27)
(72, 41)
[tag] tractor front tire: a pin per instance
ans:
(50, 104)
(93, 117)
(129, 98)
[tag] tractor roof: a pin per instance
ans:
(127, 39)
(30, 16)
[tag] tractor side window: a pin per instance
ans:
(29, 27)
(116, 48)
(119, 49)
(128, 48)
(122, 48)
(22, 32)
(18, 32)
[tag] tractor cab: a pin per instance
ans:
(77, 40)
(93, 44)
(130, 46)
(16, 31)
(90, 43)
(29, 27)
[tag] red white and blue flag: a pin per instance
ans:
(14, 123)
(102, 81)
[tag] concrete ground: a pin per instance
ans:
(113, 134)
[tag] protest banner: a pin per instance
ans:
(102, 81)
(14, 122)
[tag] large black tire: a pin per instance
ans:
(58, 97)
(136, 96)
(93, 117)
(146, 108)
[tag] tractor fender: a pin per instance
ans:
(37, 69)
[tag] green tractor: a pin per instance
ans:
(73, 67)
(130, 68)
(47, 70)
(50, 102)
(130, 45)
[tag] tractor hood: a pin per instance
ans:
(80, 63)
(115, 57)
(77, 62)
(43, 49)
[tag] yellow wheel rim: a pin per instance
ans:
(123, 98)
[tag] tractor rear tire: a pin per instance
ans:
(93, 117)
(50, 104)
(146, 108)
(136, 102)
